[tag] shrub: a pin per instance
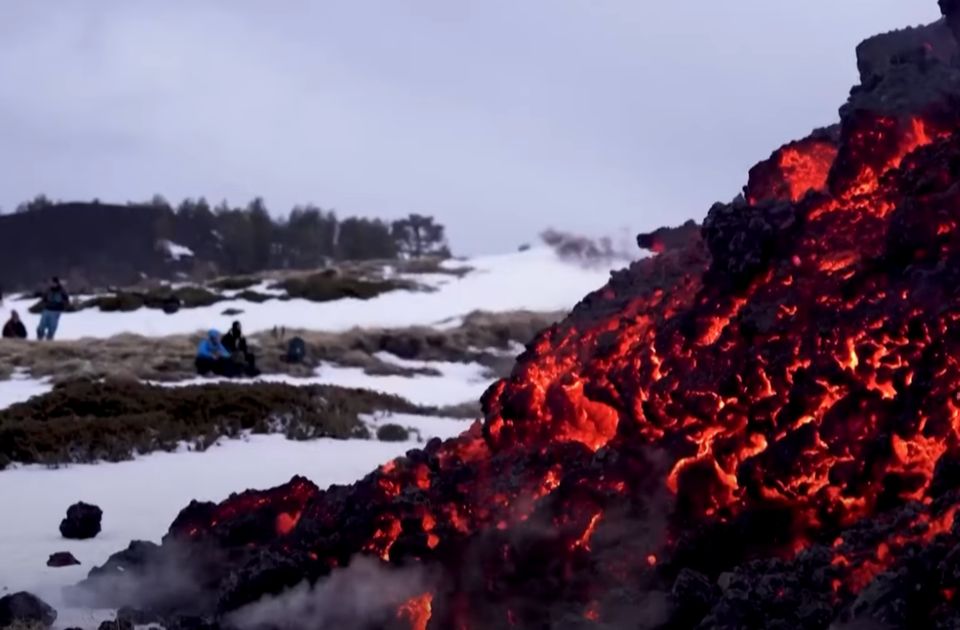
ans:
(234, 283)
(393, 433)
(88, 421)
(326, 287)
(253, 296)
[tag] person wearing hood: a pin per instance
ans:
(236, 345)
(14, 328)
(213, 358)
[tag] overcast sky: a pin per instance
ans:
(500, 117)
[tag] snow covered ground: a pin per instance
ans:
(457, 382)
(534, 280)
(21, 388)
(140, 498)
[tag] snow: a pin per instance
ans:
(141, 498)
(457, 382)
(177, 251)
(535, 280)
(20, 388)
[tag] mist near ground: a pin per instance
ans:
(499, 118)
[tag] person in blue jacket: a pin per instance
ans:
(213, 358)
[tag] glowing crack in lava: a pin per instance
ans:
(757, 427)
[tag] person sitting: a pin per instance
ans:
(14, 328)
(236, 345)
(213, 358)
(234, 341)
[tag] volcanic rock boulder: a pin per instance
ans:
(62, 559)
(757, 428)
(82, 521)
(26, 609)
(662, 239)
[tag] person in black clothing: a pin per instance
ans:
(55, 301)
(234, 341)
(14, 328)
(236, 345)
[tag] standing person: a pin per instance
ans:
(14, 328)
(55, 301)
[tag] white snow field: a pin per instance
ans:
(20, 388)
(457, 383)
(536, 280)
(141, 498)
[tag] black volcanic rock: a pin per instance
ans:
(27, 609)
(62, 559)
(82, 521)
(665, 239)
(951, 12)
(877, 55)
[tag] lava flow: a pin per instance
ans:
(757, 427)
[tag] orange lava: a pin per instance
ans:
(417, 611)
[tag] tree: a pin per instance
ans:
(261, 233)
(159, 201)
(309, 236)
(363, 239)
(418, 235)
(38, 203)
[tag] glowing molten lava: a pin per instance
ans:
(416, 612)
(757, 427)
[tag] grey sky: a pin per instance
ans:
(500, 117)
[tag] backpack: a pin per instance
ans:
(296, 350)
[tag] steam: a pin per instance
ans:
(141, 578)
(363, 593)
(589, 252)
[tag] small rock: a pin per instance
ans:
(62, 559)
(25, 608)
(82, 522)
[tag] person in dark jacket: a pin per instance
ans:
(234, 341)
(14, 328)
(213, 358)
(236, 345)
(55, 301)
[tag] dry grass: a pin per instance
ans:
(171, 358)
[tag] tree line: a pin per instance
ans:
(250, 238)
